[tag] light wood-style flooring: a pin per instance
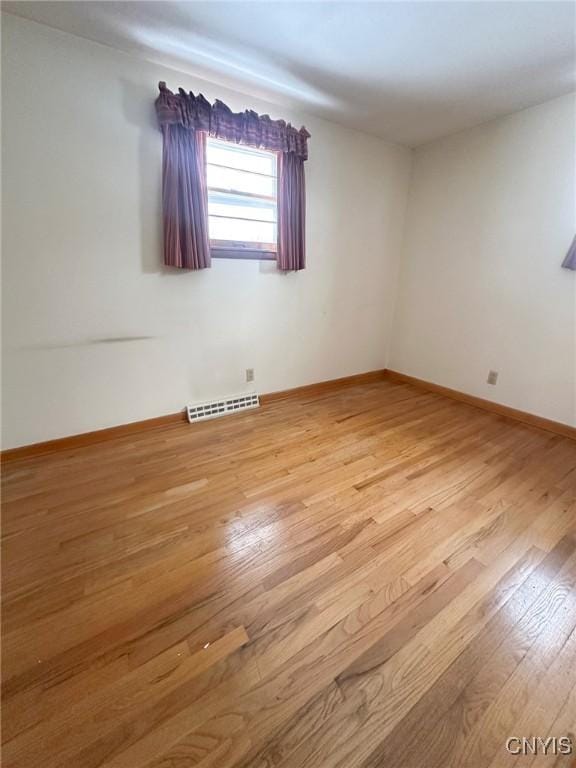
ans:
(374, 577)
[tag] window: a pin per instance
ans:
(242, 210)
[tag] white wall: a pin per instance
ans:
(96, 332)
(490, 217)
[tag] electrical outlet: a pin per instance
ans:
(249, 374)
(492, 377)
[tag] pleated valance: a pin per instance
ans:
(218, 121)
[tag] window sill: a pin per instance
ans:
(242, 253)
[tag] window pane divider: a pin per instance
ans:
(243, 170)
(241, 218)
(242, 194)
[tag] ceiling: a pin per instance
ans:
(407, 71)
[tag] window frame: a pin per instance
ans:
(243, 249)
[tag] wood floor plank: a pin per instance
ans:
(408, 627)
(554, 685)
(376, 703)
(292, 686)
(459, 700)
(106, 708)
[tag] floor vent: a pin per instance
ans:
(214, 408)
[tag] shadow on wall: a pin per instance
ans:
(88, 342)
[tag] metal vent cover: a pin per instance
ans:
(214, 408)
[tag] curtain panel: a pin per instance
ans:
(291, 213)
(185, 120)
(185, 198)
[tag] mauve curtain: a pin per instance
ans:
(291, 255)
(184, 198)
(185, 121)
(570, 260)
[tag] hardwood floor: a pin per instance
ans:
(377, 577)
